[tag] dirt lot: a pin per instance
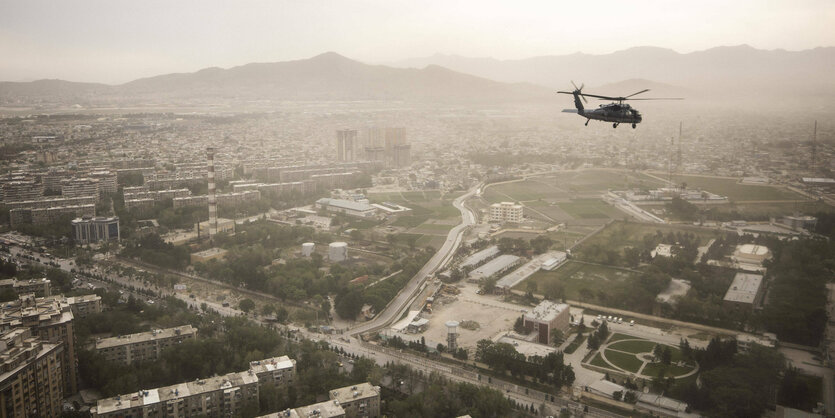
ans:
(492, 315)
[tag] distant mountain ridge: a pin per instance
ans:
(721, 68)
(327, 76)
(712, 73)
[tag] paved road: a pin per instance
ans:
(403, 299)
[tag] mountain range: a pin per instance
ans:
(734, 68)
(447, 78)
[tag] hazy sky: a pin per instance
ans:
(116, 41)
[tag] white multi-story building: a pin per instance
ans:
(506, 212)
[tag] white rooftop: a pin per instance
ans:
(546, 311)
(744, 288)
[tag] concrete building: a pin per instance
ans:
(79, 187)
(106, 179)
(20, 190)
(327, 409)
(494, 267)
(751, 254)
(346, 144)
(506, 212)
(358, 401)
(397, 149)
(800, 222)
(745, 292)
(348, 207)
(223, 225)
(546, 318)
(44, 216)
(480, 257)
(143, 346)
(156, 195)
(31, 381)
(219, 396)
(206, 255)
(85, 305)
(139, 205)
(40, 287)
(90, 230)
(51, 320)
(52, 202)
(515, 277)
(278, 371)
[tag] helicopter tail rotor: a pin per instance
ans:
(580, 90)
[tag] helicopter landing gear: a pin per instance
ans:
(587, 122)
(634, 125)
(615, 125)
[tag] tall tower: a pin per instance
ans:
(346, 144)
(815, 148)
(678, 163)
(452, 336)
(210, 157)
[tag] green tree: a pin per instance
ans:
(246, 305)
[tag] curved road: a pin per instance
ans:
(404, 298)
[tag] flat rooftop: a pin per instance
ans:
(327, 409)
(516, 276)
(744, 288)
(480, 256)
(546, 311)
(210, 252)
(352, 393)
(272, 364)
(159, 334)
(180, 390)
(495, 265)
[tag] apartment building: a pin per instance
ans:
(51, 320)
(31, 378)
(228, 395)
(78, 187)
(219, 396)
(143, 346)
(40, 287)
(82, 306)
(276, 370)
(506, 212)
(358, 401)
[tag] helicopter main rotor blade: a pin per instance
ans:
(602, 97)
(646, 98)
(635, 94)
(575, 86)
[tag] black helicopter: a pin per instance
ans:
(617, 113)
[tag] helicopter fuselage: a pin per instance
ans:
(617, 113)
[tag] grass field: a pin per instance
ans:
(431, 229)
(622, 351)
(574, 276)
(618, 336)
(735, 190)
(625, 361)
(599, 362)
(590, 208)
(431, 219)
(634, 347)
(619, 235)
(671, 370)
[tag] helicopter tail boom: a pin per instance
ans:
(578, 103)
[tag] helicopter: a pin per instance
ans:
(616, 113)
